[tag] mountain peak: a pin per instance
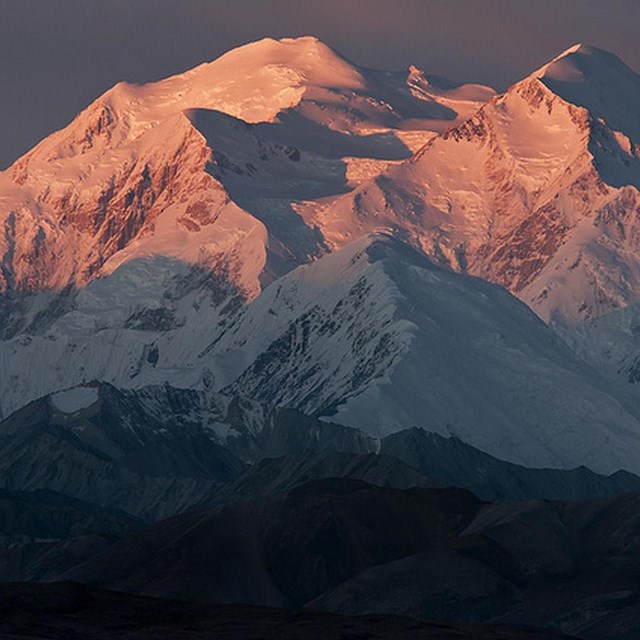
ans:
(579, 47)
(292, 46)
(597, 80)
(313, 60)
(581, 62)
(307, 41)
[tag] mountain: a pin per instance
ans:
(234, 297)
(163, 208)
(271, 476)
(536, 191)
(557, 565)
(116, 449)
(159, 237)
(567, 566)
(531, 191)
(376, 336)
(148, 172)
(417, 458)
(282, 551)
(157, 451)
(452, 462)
(346, 547)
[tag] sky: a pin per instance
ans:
(56, 56)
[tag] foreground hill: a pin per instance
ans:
(71, 610)
(43, 533)
(345, 546)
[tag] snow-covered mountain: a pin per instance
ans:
(142, 170)
(378, 337)
(158, 208)
(536, 191)
(160, 237)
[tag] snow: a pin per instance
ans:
(74, 400)
(598, 81)
(517, 192)
(445, 352)
(375, 332)
(199, 229)
(143, 142)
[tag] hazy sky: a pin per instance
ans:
(58, 55)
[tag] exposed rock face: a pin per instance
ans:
(156, 451)
(117, 449)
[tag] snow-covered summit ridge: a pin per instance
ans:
(134, 176)
(256, 82)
